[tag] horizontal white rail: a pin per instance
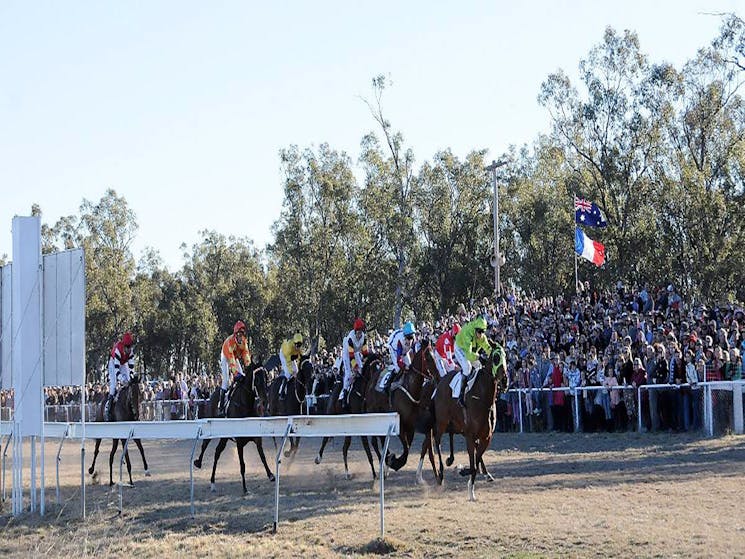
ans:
(373, 424)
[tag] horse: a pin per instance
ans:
(298, 387)
(242, 404)
(371, 367)
(126, 408)
(476, 422)
(257, 375)
(406, 399)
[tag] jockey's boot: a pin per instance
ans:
(283, 388)
(222, 404)
(345, 400)
(107, 408)
(463, 386)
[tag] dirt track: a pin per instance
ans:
(556, 495)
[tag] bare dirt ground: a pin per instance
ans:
(556, 495)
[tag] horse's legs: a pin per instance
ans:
(260, 450)
(129, 464)
(114, 446)
(480, 450)
(218, 451)
(366, 446)
(95, 455)
(198, 461)
(431, 452)
(240, 443)
(451, 458)
(438, 443)
(399, 462)
(319, 456)
(472, 463)
(426, 446)
(344, 451)
(138, 442)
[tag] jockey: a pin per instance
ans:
(471, 337)
(289, 355)
(354, 349)
(234, 349)
(400, 344)
(121, 363)
(444, 350)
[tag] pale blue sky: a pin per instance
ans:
(182, 107)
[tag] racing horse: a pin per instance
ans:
(257, 375)
(298, 387)
(243, 403)
(406, 399)
(371, 367)
(477, 420)
(126, 408)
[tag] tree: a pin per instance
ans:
(387, 198)
(611, 138)
(315, 238)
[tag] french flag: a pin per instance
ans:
(587, 248)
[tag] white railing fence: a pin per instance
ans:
(372, 424)
(713, 407)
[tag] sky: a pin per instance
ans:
(182, 106)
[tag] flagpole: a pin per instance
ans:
(576, 272)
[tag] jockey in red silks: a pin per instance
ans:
(121, 364)
(444, 350)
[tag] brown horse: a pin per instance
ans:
(406, 399)
(370, 369)
(476, 422)
(242, 404)
(126, 408)
(298, 387)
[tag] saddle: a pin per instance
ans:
(388, 380)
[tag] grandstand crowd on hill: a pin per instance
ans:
(614, 340)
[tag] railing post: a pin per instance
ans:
(191, 467)
(59, 459)
(382, 480)
(639, 408)
(276, 479)
(520, 408)
(121, 467)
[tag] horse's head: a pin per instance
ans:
(497, 363)
(372, 365)
(424, 360)
(132, 397)
(305, 377)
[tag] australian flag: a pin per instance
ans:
(588, 213)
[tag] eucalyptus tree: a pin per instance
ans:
(704, 222)
(387, 201)
(611, 137)
(315, 238)
(223, 281)
(454, 221)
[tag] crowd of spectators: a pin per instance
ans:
(614, 340)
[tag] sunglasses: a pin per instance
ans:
(479, 331)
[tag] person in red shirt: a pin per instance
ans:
(444, 350)
(121, 364)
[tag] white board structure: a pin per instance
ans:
(26, 367)
(6, 337)
(64, 318)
